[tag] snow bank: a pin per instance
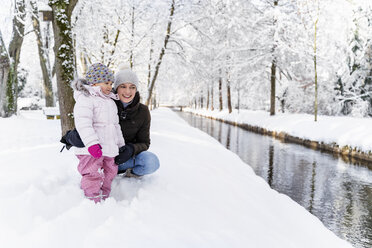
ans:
(202, 196)
(344, 131)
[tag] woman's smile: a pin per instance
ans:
(126, 92)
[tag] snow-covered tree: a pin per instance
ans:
(251, 54)
(8, 104)
(43, 56)
(4, 73)
(162, 52)
(354, 84)
(64, 52)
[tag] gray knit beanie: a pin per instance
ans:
(125, 75)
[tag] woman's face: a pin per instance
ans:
(126, 92)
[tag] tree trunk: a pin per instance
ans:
(157, 67)
(154, 102)
(273, 73)
(229, 106)
(84, 62)
(273, 79)
(208, 99)
(238, 89)
(132, 41)
(43, 57)
(229, 61)
(4, 73)
(220, 91)
(14, 51)
(316, 75)
(212, 99)
(105, 38)
(64, 57)
(149, 65)
(114, 47)
(54, 69)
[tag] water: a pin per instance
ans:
(337, 192)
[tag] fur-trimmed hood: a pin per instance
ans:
(82, 87)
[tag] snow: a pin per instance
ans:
(6, 17)
(343, 130)
(43, 6)
(26, 102)
(202, 196)
(51, 110)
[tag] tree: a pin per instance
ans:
(4, 73)
(106, 32)
(273, 68)
(354, 84)
(162, 52)
(64, 52)
(276, 48)
(315, 65)
(228, 89)
(10, 86)
(242, 44)
(43, 57)
(149, 63)
(220, 99)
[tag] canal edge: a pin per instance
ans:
(346, 152)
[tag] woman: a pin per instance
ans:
(134, 118)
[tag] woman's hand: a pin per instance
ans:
(125, 153)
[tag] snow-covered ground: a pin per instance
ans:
(202, 196)
(344, 131)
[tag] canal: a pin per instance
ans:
(339, 193)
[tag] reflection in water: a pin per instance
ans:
(338, 193)
(312, 189)
(271, 166)
(228, 138)
(220, 132)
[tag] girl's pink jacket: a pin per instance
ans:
(96, 119)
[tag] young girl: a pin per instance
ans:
(97, 122)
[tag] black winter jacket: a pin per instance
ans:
(135, 124)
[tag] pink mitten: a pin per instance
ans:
(95, 150)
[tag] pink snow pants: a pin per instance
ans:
(97, 176)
